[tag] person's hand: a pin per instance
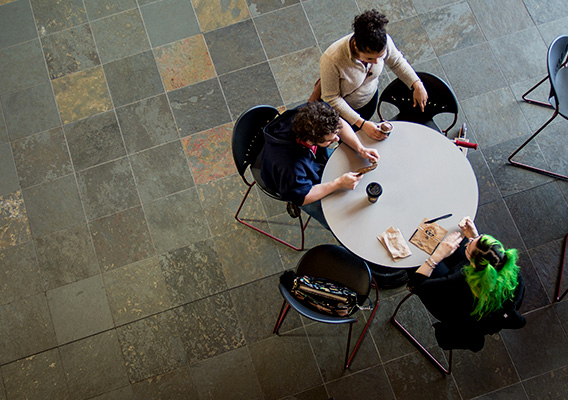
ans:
(447, 247)
(468, 228)
(420, 95)
(370, 154)
(349, 180)
(372, 130)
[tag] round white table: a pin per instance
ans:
(423, 175)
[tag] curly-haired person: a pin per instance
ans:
(296, 150)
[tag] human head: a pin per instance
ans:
(317, 123)
(492, 274)
(369, 31)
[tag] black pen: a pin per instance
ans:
(439, 218)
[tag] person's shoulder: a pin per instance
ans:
(338, 47)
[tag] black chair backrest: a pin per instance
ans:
(558, 74)
(248, 136)
(441, 99)
(339, 265)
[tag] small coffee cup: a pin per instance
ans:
(385, 127)
(374, 190)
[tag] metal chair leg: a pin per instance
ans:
(302, 225)
(558, 298)
(283, 312)
(533, 101)
(419, 345)
(349, 360)
(530, 167)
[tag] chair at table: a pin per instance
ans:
(247, 144)
(441, 99)
(471, 336)
(557, 98)
(341, 266)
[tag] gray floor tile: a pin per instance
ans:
(554, 9)
(411, 39)
(169, 20)
(552, 385)
(373, 380)
(452, 28)
(192, 272)
(296, 370)
(341, 12)
(136, 291)
(249, 87)
(26, 65)
(535, 287)
(177, 384)
(517, 55)
(234, 369)
(500, 19)
(21, 272)
(235, 47)
(14, 220)
(494, 219)
(284, 31)
(66, 256)
(38, 101)
(161, 171)
(551, 30)
(52, 18)
(548, 257)
(514, 392)
(394, 10)
(147, 123)
(70, 51)
(79, 309)
(16, 23)
(551, 142)
(549, 217)
(103, 8)
(199, 107)
(176, 221)
(94, 365)
(26, 328)
(53, 206)
(210, 327)
(133, 78)
(120, 35)
(152, 346)
(488, 189)
(540, 346)
(124, 393)
(36, 378)
(3, 132)
(9, 182)
(121, 239)
(94, 140)
(258, 7)
(107, 188)
(473, 71)
(41, 157)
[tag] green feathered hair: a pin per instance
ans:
(492, 275)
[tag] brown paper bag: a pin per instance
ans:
(428, 236)
(395, 244)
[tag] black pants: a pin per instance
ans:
(368, 110)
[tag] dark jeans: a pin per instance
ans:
(368, 110)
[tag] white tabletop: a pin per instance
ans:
(423, 175)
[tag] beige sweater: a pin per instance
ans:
(347, 84)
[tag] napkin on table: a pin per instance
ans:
(394, 243)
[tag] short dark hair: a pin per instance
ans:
(369, 31)
(314, 121)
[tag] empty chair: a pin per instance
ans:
(557, 98)
(247, 144)
(336, 264)
(441, 99)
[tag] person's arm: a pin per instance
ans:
(348, 180)
(352, 140)
(331, 89)
(420, 96)
(444, 249)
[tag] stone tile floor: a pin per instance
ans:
(123, 274)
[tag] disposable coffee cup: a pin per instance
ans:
(374, 190)
(385, 127)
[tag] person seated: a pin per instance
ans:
(296, 150)
(472, 286)
(350, 70)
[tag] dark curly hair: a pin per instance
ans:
(314, 121)
(369, 31)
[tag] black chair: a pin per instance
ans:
(450, 336)
(557, 98)
(560, 271)
(341, 266)
(247, 144)
(441, 99)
